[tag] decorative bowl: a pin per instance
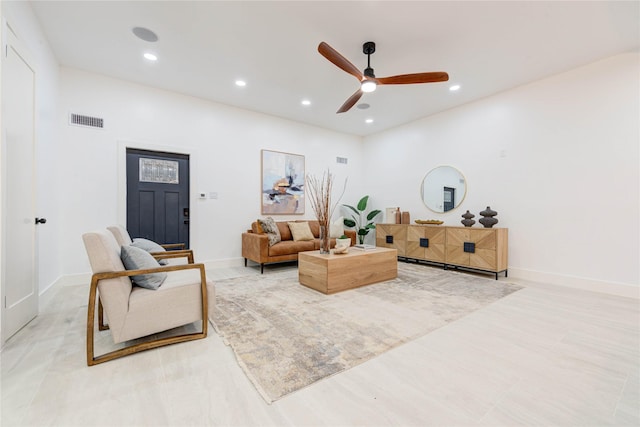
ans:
(429, 221)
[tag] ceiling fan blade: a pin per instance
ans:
(350, 102)
(404, 79)
(340, 61)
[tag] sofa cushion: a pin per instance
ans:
(300, 231)
(271, 229)
(315, 228)
(257, 228)
(285, 231)
(289, 247)
(138, 259)
(336, 228)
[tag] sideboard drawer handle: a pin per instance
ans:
(389, 239)
(424, 243)
(469, 247)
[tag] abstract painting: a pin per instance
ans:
(283, 177)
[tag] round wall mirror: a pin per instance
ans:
(443, 189)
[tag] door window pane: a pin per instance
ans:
(162, 171)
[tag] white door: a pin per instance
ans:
(19, 289)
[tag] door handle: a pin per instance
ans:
(186, 221)
(41, 221)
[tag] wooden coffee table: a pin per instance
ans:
(331, 273)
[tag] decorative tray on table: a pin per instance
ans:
(429, 221)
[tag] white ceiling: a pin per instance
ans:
(204, 46)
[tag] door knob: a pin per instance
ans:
(41, 221)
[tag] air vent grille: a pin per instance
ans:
(86, 121)
(341, 160)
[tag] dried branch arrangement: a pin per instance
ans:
(320, 196)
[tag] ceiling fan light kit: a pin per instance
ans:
(368, 80)
(368, 86)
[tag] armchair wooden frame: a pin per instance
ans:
(172, 246)
(188, 253)
(95, 279)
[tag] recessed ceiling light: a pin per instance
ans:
(241, 83)
(150, 56)
(306, 102)
(145, 34)
(454, 88)
(368, 121)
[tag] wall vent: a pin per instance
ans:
(86, 121)
(341, 160)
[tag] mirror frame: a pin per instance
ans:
(422, 184)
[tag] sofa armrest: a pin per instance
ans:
(255, 247)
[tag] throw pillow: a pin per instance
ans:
(137, 259)
(336, 228)
(270, 227)
(300, 231)
(149, 246)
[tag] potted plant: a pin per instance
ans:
(343, 241)
(358, 219)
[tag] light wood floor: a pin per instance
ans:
(543, 356)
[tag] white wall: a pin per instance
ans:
(26, 26)
(224, 143)
(558, 160)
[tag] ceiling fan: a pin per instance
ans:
(368, 81)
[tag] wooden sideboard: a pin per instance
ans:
(483, 249)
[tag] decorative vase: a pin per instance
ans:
(406, 218)
(467, 221)
(324, 240)
(488, 219)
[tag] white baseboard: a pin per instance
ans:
(612, 288)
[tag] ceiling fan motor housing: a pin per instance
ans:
(368, 48)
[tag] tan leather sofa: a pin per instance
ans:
(255, 244)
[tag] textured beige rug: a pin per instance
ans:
(286, 336)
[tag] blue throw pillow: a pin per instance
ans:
(138, 259)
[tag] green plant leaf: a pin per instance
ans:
(349, 222)
(353, 209)
(371, 225)
(372, 214)
(363, 231)
(362, 204)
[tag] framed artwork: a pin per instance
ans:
(283, 186)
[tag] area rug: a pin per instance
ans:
(286, 336)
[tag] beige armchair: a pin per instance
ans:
(133, 312)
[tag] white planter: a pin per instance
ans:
(343, 242)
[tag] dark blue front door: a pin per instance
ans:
(158, 196)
